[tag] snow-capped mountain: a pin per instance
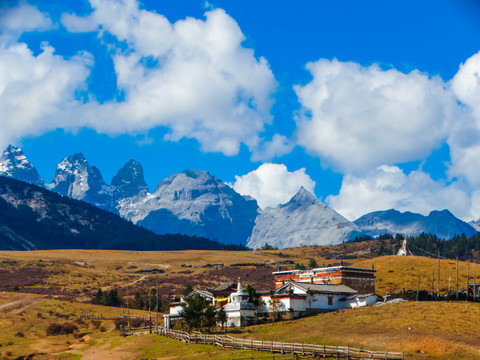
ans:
(128, 182)
(475, 224)
(441, 223)
(34, 218)
(194, 202)
(75, 178)
(14, 164)
(304, 220)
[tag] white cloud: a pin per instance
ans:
(278, 146)
(466, 83)
(464, 141)
(389, 187)
(77, 24)
(356, 118)
(272, 184)
(36, 91)
(193, 77)
(23, 18)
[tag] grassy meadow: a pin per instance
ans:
(37, 285)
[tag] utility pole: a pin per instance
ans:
(457, 278)
(418, 287)
(438, 281)
(156, 322)
(433, 279)
(468, 278)
(474, 282)
(128, 312)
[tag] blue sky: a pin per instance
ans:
(371, 105)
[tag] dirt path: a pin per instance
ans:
(26, 301)
(138, 280)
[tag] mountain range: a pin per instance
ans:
(441, 223)
(34, 218)
(196, 203)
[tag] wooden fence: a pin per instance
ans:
(325, 351)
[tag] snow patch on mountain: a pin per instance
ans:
(128, 182)
(193, 202)
(75, 178)
(14, 164)
(304, 220)
(475, 224)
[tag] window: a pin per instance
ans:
(330, 300)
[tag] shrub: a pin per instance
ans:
(60, 329)
(134, 322)
(96, 323)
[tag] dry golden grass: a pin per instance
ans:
(436, 330)
(30, 315)
(395, 273)
(440, 330)
(79, 273)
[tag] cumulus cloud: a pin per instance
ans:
(464, 140)
(36, 91)
(278, 146)
(193, 77)
(356, 118)
(466, 83)
(23, 18)
(272, 184)
(389, 187)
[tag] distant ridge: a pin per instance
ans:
(443, 224)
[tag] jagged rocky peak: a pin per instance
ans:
(76, 178)
(129, 181)
(189, 184)
(304, 220)
(14, 164)
(303, 196)
(196, 203)
(475, 224)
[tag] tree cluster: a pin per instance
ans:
(198, 314)
(108, 298)
(461, 246)
(144, 300)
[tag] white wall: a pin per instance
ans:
(366, 301)
(175, 310)
(320, 302)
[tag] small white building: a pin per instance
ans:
(174, 315)
(299, 298)
(240, 312)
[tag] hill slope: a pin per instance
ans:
(34, 218)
